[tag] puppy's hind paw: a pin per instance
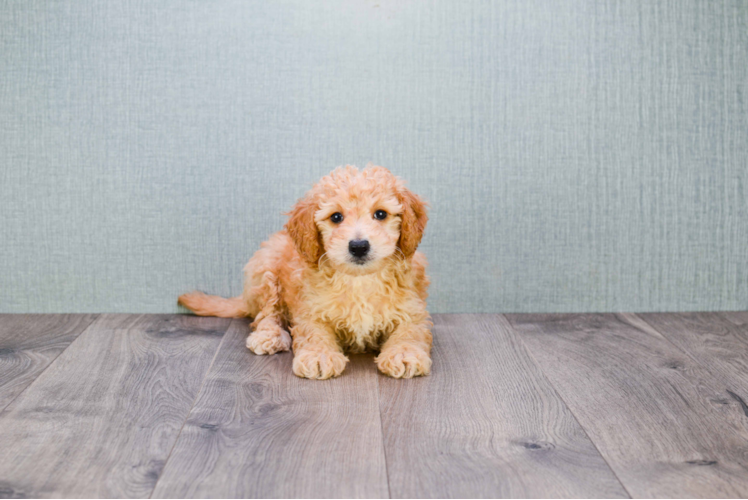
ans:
(318, 364)
(269, 341)
(404, 362)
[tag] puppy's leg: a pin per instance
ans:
(406, 353)
(316, 352)
(269, 336)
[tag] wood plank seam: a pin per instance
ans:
(667, 339)
(717, 374)
(384, 448)
(102, 421)
(486, 423)
(257, 430)
(657, 413)
(555, 389)
(96, 319)
(187, 415)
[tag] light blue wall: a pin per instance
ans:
(579, 155)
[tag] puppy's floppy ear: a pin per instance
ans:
(303, 230)
(414, 220)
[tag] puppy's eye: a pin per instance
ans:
(337, 217)
(380, 215)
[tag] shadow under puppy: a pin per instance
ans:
(344, 275)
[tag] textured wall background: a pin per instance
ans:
(579, 155)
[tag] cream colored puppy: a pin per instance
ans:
(344, 275)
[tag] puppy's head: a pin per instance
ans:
(357, 220)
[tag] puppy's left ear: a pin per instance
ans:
(414, 221)
(303, 230)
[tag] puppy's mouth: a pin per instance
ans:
(360, 261)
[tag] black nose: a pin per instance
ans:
(358, 248)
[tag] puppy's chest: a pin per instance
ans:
(360, 309)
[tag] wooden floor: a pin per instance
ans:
(598, 405)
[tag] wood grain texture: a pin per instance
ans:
(740, 318)
(663, 422)
(719, 341)
(29, 343)
(486, 423)
(100, 422)
(259, 431)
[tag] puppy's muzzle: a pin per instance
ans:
(359, 248)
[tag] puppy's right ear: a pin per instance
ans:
(303, 230)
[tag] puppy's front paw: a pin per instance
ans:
(404, 362)
(269, 341)
(318, 364)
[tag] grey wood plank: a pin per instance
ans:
(101, 420)
(740, 318)
(661, 420)
(486, 423)
(29, 343)
(718, 341)
(259, 431)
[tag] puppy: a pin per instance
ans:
(344, 275)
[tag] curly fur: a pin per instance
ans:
(303, 278)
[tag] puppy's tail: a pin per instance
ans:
(213, 305)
